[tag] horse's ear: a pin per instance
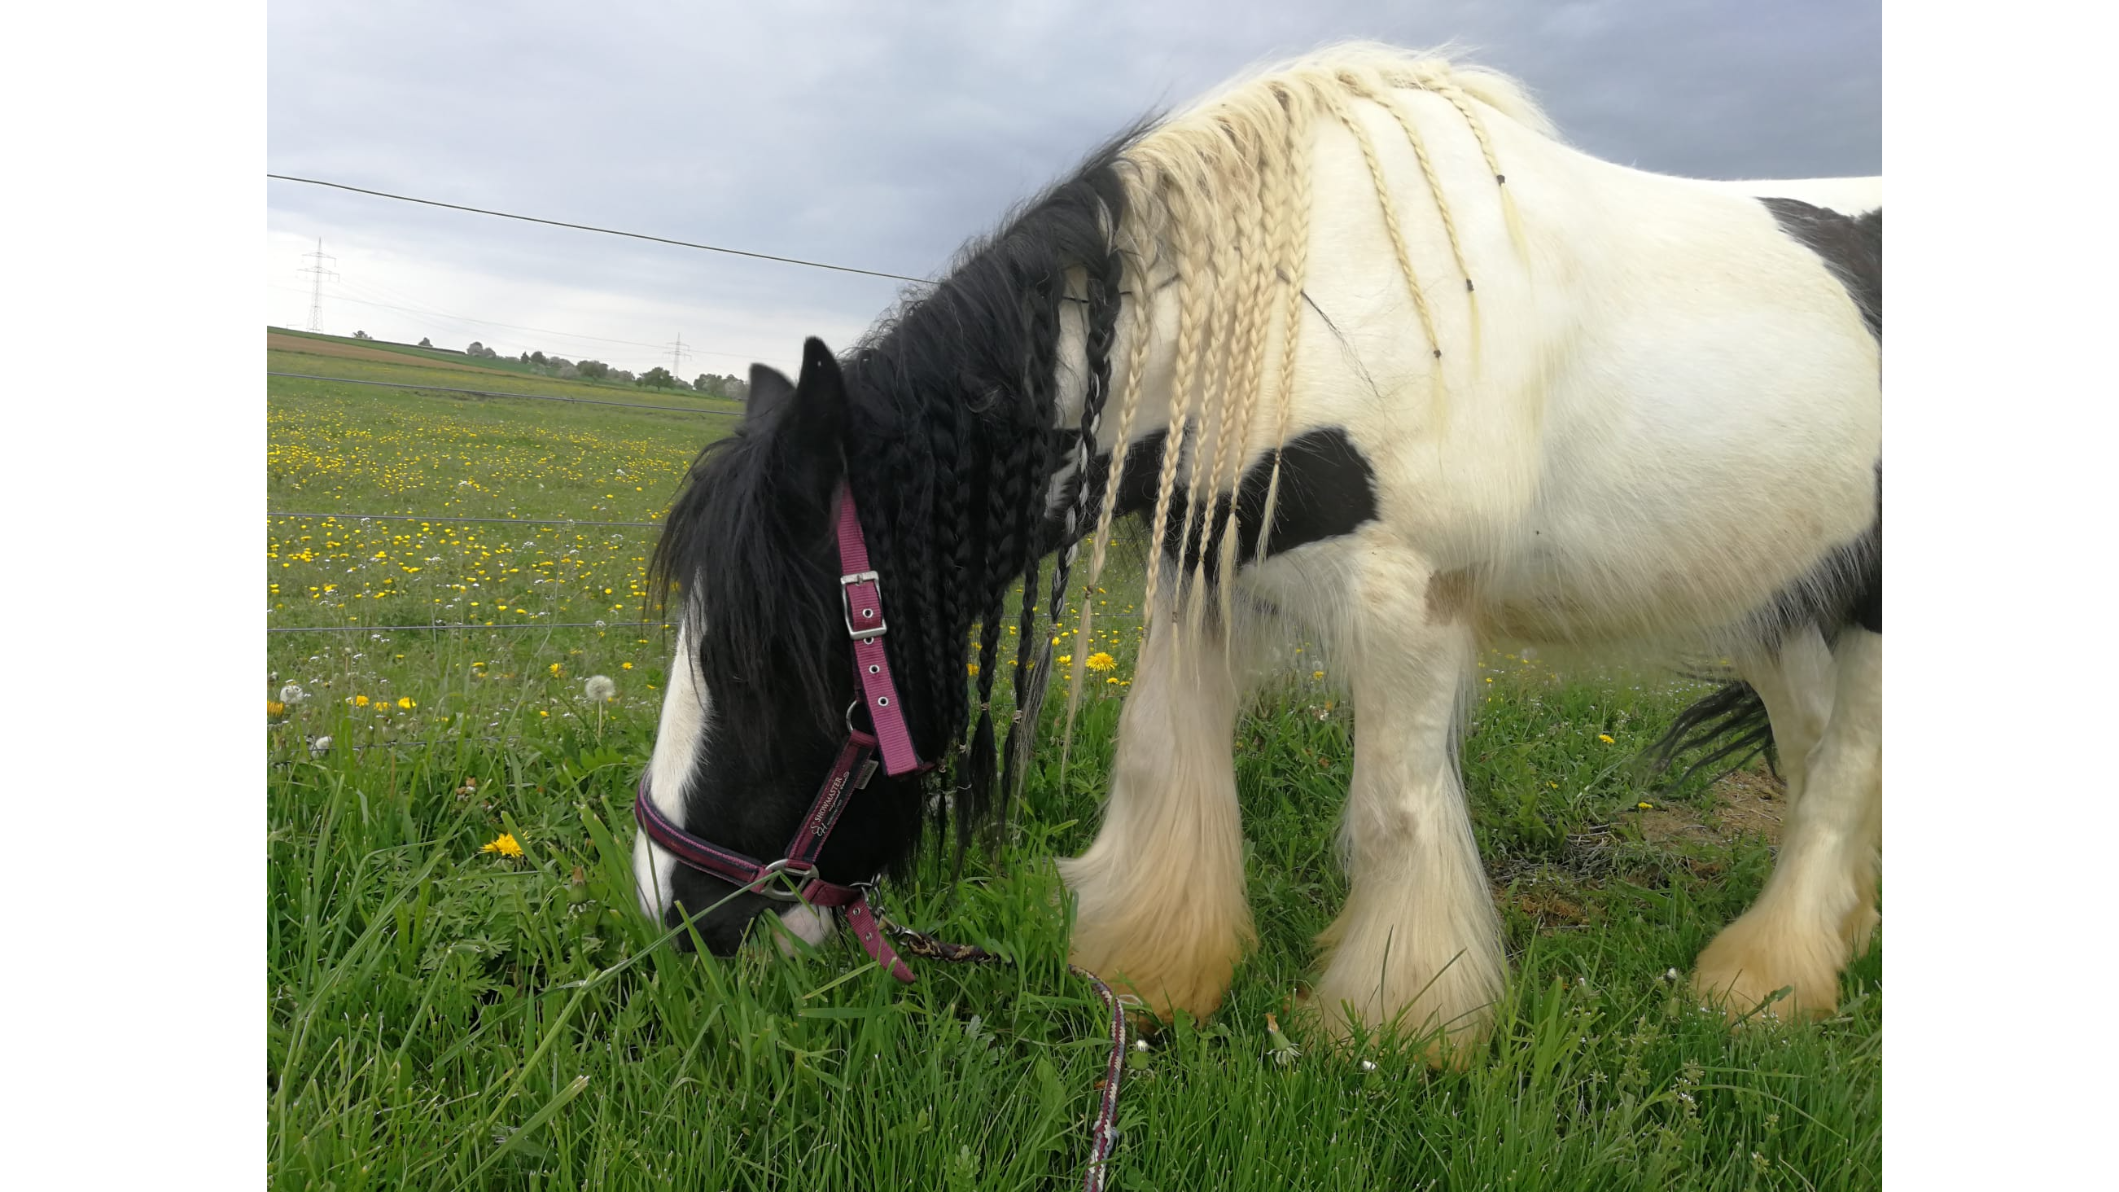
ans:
(812, 429)
(768, 388)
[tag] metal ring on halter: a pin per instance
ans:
(803, 872)
(856, 702)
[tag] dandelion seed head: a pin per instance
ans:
(599, 688)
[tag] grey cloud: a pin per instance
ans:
(883, 137)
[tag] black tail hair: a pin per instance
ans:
(1729, 722)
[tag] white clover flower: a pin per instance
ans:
(320, 746)
(599, 688)
(292, 693)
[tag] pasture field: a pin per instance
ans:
(444, 1013)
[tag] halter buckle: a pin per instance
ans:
(872, 614)
(804, 873)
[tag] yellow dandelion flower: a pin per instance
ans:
(504, 844)
(1606, 738)
(1064, 660)
(274, 707)
(972, 669)
(1101, 661)
(1645, 805)
(554, 668)
(360, 701)
(625, 666)
(405, 702)
(1317, 675)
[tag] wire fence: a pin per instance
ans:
(468, 625)
(492, 393)
(499, 521)
(579, 401)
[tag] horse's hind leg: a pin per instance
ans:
(1818, 910)
(1417, 948)
(1794, 680)
(1160, 892)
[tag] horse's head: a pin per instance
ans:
(762, 689)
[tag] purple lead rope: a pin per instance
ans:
(1103, 1134)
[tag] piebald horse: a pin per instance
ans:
(1382, 363)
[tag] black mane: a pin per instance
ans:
(949, 448)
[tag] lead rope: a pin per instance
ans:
(1104, 1134)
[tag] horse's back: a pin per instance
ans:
(1671, 414)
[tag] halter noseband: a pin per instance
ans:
(862, 591)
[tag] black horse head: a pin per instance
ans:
(942, 424)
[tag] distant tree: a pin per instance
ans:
(425, 342)
(362, 335)
(594, 370)
(537, 358)
(566, 372)
(477, 349)
(657, 377)
(715, 385)
(622, 376)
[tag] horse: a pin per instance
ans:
(1379, 360)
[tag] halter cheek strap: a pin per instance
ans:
(862, 591)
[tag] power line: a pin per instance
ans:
(558, 223)
(508, 521)
(579, 401)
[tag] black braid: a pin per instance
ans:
(1039, 366)
(950, 560)
(951, 449)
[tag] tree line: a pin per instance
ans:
(731, 387)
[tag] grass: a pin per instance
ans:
(445, 1017)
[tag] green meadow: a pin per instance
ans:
(445, 1013)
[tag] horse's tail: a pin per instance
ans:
(1729, 722)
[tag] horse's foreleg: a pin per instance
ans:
(1818, 910)
(1160, 892)
(1418, 945)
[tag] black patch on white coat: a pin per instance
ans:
(1327, 490)
(1852, 248)
(1847, 588)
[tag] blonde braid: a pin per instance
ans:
(1390, 224)
(1247, 353)
(1191, 293)
(1383, 99)
(1227, 231)
(1143, 325)
(1438, 81)
(1291, 253)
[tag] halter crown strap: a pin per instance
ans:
(863, 593)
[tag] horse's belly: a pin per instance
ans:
(1677, 559)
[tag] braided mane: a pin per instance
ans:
(954, 435)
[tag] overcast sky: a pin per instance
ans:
(883, 135)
